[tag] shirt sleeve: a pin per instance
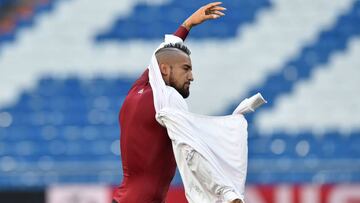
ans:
(181, 32)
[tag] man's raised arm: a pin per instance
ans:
(207, 12)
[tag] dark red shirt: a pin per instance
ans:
(147, 157)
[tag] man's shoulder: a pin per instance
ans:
(141, 85)
(139, 101)
(140, 92)
(143, 79)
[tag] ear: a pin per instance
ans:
(164, 69)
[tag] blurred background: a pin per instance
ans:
(66, 66)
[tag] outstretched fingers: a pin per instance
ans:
(214, 10)
(208, 12)
(217, 13)
(213, 4)
(218, 8)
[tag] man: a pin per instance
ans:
(146, 150)
(210, 151)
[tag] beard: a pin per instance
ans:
(184, 90)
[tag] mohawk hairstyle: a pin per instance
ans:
(179, 46)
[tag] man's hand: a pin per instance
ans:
(207, 12)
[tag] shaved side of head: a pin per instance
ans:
(179, 46)
(169, 55)
(170, 52)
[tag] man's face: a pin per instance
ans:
(181, 75)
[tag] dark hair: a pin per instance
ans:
(179, 46)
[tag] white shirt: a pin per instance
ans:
(210, 151)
